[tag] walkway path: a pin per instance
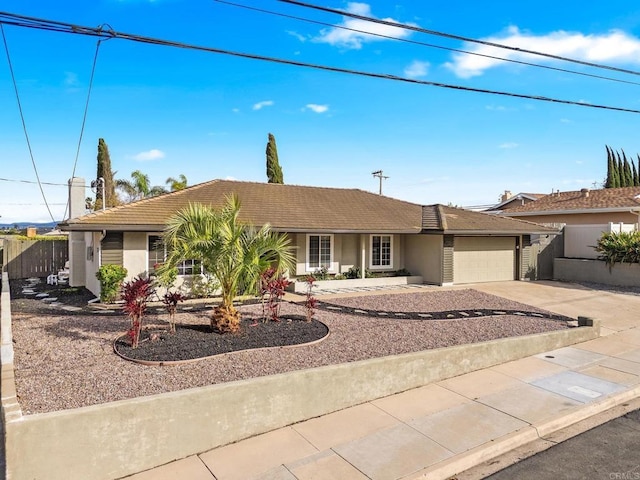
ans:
(444, 428)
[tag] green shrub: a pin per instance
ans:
(354, 272)
(110, 278)
(321, 273)
(623, 247)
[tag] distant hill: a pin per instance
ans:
(21, 225)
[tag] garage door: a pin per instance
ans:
(484, 259)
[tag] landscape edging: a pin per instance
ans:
(116, 439)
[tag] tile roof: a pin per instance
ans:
(607, 198)
(284, 207)
(293, 208)
(443, 219)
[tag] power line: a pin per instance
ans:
(430, 45)
(42, 183)
(24, 125)
(100, 32)
(457, 37)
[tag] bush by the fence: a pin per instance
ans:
(623, 247)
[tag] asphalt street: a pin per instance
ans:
(608, 452)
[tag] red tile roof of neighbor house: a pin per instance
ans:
(293, 208)
(611, 199)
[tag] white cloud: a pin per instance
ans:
(235, 110)
(261, 105)
(148, 156)
(71, 79)
(417, 69)
(613, 47)
(317, 108)
(508, 145)
(565, 120)
(299, 36)
(354, 40)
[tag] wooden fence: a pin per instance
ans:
(34, 258)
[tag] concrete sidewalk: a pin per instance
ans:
(447, 427)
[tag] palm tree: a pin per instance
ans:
(138, 187)
(234, 253)
(177, 184)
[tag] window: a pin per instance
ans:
(189, 267)
(381, 251)
(319, 251)
(157, 254)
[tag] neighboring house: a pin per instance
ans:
(509, 201)
(328, 227)
(583, 207)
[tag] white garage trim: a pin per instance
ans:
(484, 259)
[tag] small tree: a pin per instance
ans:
(170, 300)
(234, 253)
(274, 171)
(110, 278)
(273, 286)
(310, 302)
(136, 294)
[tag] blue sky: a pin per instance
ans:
(169, 111)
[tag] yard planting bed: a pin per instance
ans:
(65, 361)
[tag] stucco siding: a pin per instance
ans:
(423, 256)
(134, 255)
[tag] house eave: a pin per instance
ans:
(81, 227)
(635, 210)
(498, 233)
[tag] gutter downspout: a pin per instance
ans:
(363, 256)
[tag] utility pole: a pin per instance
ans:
(378, 173)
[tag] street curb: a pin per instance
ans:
(448, 469)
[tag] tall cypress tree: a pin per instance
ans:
(619, 179)
(628, 176)
(104, 171)
(634, 172)
(608, 183)
(274, 171)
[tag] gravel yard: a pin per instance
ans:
(66, 361)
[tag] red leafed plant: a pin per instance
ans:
(272, 289)
(311, 302)
(135, 294)
(170, 300)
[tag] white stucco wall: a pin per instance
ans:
(423, 256)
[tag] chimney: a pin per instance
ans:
(77, 205)
(585, 192)
(506, 196)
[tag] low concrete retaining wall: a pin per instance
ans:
(116, 439)
(597, 271)
(301, 287)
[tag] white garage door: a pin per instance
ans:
(484, 259)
